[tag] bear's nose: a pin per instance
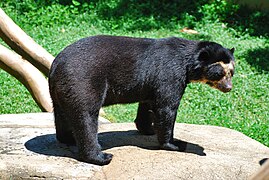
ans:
(225, 86)
(228, 87)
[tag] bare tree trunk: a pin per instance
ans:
(28, 75)
(24, 45)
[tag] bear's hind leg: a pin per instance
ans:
(63, 129)
(86, 137)
(144, 119)
(84, 112)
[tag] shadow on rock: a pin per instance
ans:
(48, 145)
(112, 139)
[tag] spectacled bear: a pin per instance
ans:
(104, 70)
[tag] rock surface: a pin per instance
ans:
(29, 150)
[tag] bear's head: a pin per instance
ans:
(215, 66)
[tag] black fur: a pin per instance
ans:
(103, 70)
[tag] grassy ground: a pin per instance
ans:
(245, 108)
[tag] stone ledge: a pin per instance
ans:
(29, 150)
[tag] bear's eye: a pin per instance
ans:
(214, 72)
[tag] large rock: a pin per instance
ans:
(29, 150)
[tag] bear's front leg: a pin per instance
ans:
(165, 110)
(164, 127)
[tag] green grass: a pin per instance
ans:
(244, 109)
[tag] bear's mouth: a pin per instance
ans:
(224, 85)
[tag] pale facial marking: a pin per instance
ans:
(228, 68)
(224, 84)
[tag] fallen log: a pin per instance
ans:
(24, 45)
(28, 75)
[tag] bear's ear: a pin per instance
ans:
(203, 55)
(232, 50)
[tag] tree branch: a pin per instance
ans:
(24, 45)
(28, 75)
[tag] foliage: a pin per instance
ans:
(55, 24)
(218, 10)
(132, 15)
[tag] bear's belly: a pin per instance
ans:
(126, 97)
